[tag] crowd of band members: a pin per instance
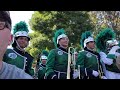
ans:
(98, 59)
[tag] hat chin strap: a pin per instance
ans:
(18, 46)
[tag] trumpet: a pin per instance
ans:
(71, 61)
(79, 70)
(36, 72)
(86, 74)
(100, 71)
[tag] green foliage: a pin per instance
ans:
(44, 24)
(106, 19)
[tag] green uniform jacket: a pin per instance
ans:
(41, 71)
(88, 62)
(57, 64)
(113, 66)
(13, 57)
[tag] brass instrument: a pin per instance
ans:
(100, 71)
(86, 74)
(79, 70)
(71, 61)
(36, 72)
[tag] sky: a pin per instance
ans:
(18, 16)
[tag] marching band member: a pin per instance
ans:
(88, 59)
(56, 66)
(109, 52)
(42, 64)
(17, 55)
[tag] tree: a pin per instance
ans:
(45, 23)
(103, 19)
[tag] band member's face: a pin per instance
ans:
(43, 61)
(64, 42)
(91, 45)
(23, 42)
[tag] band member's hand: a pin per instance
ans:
(103, 77)
(113, 50)
(75, 74)
(95, 73)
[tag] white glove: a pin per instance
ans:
(109, 61)
(103, 54)
(103, 77)
(104, 58)
(95, 73)
(75, 74)
(113, 50)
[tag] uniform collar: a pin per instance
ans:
(18, 51)
(93, 52)
(63, 49)
(43, 65)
